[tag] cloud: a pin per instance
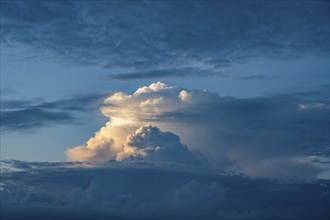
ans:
(79, 102)
(250, 135)
(309, 106)
(183, 73)
(32, 118)
(152, 37)
(166, 73)
(56, 191)
(21, 115)
(207, 197)
(148, 143)
(155, 145)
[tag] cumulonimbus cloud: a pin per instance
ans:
(172, 124)
(127, 133)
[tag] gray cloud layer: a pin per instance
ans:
(32, 118)
(152, 36)
(58, 191)
(19, 115)
(169, 73)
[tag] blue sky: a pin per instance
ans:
(226, 86)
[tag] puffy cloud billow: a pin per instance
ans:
(168, 124)
(128, 134)
(148, 143)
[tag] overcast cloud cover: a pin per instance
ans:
(140, 99)
(119, 191)
(155, 39)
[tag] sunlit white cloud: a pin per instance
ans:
(148, 143)
(129, 116)
(167, 123)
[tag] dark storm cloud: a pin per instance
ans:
(61, 192)
(17, 115)
(149, 36)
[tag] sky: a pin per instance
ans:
(168, 109)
